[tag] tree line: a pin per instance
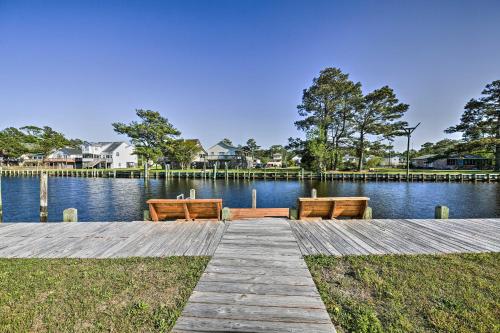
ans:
(15, 142)
(339, 120)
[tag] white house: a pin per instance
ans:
(115, 155)
(222, 153)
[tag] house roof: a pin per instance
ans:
(467, 156)
(225, 145)
(112, 147)
(70, 151)
(198, 142)
(425, 157)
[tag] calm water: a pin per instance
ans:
(102, 199)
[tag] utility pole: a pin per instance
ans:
(408, 131)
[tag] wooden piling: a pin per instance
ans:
(314, 193)
(44, 197)
(192, 193)
(368, 213)
(70, 215)
(145, 215)
(254, 198)
(226, 214)
(441, 212)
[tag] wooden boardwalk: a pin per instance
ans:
(357, 237)
(109, 239)
(256, 281)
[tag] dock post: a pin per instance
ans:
(368, 213)
(215, 170)
(441, 212)
(314, 193)
(145, 215)
(192, 193)
(1, 211)
(43, 197)
(226, 214)
(254, 198)
(70, 215)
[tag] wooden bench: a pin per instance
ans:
(335, 207)
(252, 213)
(188, 209)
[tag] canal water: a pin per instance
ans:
(107, 199)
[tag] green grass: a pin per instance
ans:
(420, 171)
(282, 170)
(91, 295)
(419, 293)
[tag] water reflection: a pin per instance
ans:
(100, 199)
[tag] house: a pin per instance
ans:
(452, 162)
(65, 158)
(113, 155)
(223, 153)
(393, 161)
(276, 161)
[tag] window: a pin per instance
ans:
(117, 153)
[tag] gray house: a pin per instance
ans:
(452, 162)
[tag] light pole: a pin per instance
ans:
(408, 131)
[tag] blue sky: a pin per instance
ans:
(236, 69)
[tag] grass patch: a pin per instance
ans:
(410, 293)
(88, 295)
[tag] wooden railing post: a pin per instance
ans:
(43, 197)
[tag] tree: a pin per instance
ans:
(151, 136)
(480, 123)
(328, 108)
(441, 147)
(183, 152)
(12, 143)
(378, 115)
(44, 140)
(251, 147)
(226, 141)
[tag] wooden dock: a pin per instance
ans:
(361, 237)
(109, 239)
(257, 281)
(330, 237)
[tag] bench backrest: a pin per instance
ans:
(189, 209)
(330, 208)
